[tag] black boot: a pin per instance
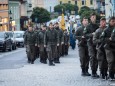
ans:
(111, 75)
(102, 74)
(56, 60)
(87, 73)
(83, 72)
(51, 63)
(94, 74)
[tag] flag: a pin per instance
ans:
(62, 22)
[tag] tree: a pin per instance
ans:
(58, 8)
(66, 7)
(86, 11)
(40, 15)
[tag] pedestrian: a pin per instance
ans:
(73, 39)
(108, 37)
(61, 42)
(30, 42)
(51, 42)
(101, 56)
(83, 48)
(89, 33)
(42, 49)
(66, 42)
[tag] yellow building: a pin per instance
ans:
(81, 3)
(4, 23)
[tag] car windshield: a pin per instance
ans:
(10, 34)
(19, 35)
(1, 35)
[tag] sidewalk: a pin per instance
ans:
(68, 73)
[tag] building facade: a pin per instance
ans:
(14, 7)
(80, 3)
(108, 9)
(4, 18)
(50, 4)
(113, 4)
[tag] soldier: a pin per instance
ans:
(43, 54)
(66, 42)
(30, 42)
(83, 49)
(51, 42)
(61, 42)
(37, 30)
(101, 56)
(89, 32)
(108, 38)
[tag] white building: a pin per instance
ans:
(14, 7)
(108, 9)
(50, 4)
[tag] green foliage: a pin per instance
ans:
(40, 15)
(66, 7)
(58, 8)
(86, 12)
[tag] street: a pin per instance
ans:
(15, 71)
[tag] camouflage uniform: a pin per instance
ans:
(43, 53)
(101, 56)
(110, 49)
(83, 50)
(51, 40)
(66, 43)
(92, 48)
(30, 41)
(59, 48)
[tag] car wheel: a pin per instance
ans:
(4, 50)
(10, 48)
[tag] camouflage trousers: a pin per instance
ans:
(30, 49)
(84, 57)
(51, 51)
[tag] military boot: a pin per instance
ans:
(87, 73)
(56, 60)
(111, 75)
(51, 63)
(94, 74)
(83, 72)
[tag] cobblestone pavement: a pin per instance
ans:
(67, 73)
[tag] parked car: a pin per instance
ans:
(5, 42)
(19, 35)
(12, 36)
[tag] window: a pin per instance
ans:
(60, 2)
(69, 2)
(76, 2)
(83, 2)
(103, 3)
(91, 2)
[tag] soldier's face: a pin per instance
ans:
(93, 18)
(51, 26)
(43, 28)
(30, 28)
(112, 22)
(85, 22)
(102, 23)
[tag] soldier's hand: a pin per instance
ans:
(35, 44)
(44, 45)
(110, 39)
(93, 33)
(62, 42)
(58, 44)
(38, 45)
(82, 37)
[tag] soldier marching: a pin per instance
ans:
(96, 45)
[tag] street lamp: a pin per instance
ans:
(10, 17)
